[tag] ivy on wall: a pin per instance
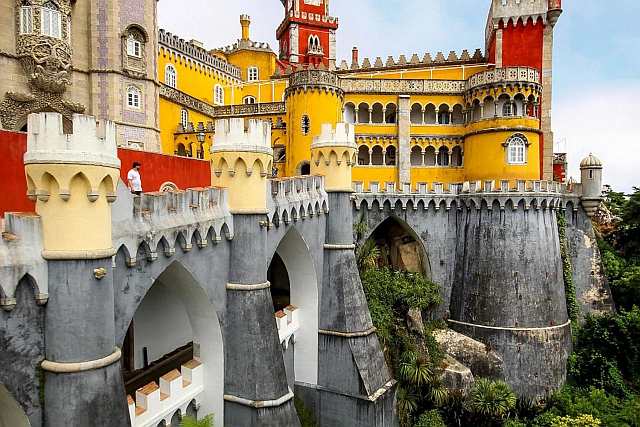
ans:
(573, 309)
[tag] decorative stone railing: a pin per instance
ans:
(166, 220)
(295, 199)
(250, 109)
(503, 75)
(154, 404)
(402, 86)
(529, 194)
(288, 322)
(181, 98)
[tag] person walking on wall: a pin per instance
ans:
(133, 179)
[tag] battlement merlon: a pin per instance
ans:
(90, 144)
(333, 155)
(513, 10)
(230, 135)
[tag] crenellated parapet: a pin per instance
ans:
(503, 194)
(163, 222)
(314, 80)
(72, 178)
(296, 199)
(333, 155)
(242, 161)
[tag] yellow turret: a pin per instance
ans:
(73, 179)
(333, 155)
(242, 161)
(245, 23)
(312, 99)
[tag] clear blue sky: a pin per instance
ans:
(596, 65)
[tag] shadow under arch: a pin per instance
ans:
(11, 414)
(400, 246)
(294, 253)
(177, 285)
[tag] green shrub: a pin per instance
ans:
(579, 421)
(193, 422)
(430, 419)
(514, 423)
(491, 399)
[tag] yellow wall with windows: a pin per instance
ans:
(243, 59)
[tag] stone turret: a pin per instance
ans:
(242, 161)
(72, 179)
(333, 154)
(591, 177)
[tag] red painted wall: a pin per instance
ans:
(522, 45)
(156, 170)
(13, 183)
(303, 42)
(309, 8)
(160, 168)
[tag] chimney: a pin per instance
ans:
(354, 55)
(245, 22)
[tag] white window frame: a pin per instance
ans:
(134, 98)
(249, 100)
(171, 76)
(134, 47)
(253, 74)
(26, 20)
(218, 95)
(508, 109)
(517, 150)
(69, 29)
(50, 22)
(184, 118)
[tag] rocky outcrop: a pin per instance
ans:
(456, 377)
(481, 360)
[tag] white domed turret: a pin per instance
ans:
(591, 176)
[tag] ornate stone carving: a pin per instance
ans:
(498, 76)
(402, 86)
(15, 107)
(46, 60)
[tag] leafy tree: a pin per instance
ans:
(579, 421)
(626, 289)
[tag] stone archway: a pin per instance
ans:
(400, 247)
(11, 414)
(174, 320)
(292, 266)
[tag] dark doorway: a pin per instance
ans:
(280, 284)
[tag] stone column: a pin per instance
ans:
(252, 346)
(72, 179)
(547, 91)
(348, 393)
(404, 140)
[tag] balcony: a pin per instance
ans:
(155, 403)
(501, 76)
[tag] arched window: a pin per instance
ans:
(430, 114)
(444, 116)
(26, 19)
(170, 75)
(134, 46)
(134, 97)
(416, 115)
(443, 156)
(430, 156)
(50, 20)
(376, 155)
(363, 155)
(218, 95)
(184, 118)
(390, 113)
(349, 113)
(456, 156)
(390, 158)
(253, 74)
(517, 150)
(249, 100)
(416, 156)
(377, 113)
(363, 113)
(306, 124)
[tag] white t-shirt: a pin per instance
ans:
(134, 178)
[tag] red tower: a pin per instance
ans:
(520, 34)
(307, 35)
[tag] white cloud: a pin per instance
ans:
(602, 119)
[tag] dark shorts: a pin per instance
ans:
(137, 193)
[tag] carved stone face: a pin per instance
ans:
(46, 60)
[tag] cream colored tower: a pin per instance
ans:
(242, 161)
(72, 179)
(333, 155)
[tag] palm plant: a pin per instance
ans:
(407, 403)
(416, 369)
(194, 422)
(367, 255)
(492, 399)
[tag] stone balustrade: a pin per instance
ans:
(523, 75)
(467, 187)
(296, 198)
(288, 322)
(154, 404)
